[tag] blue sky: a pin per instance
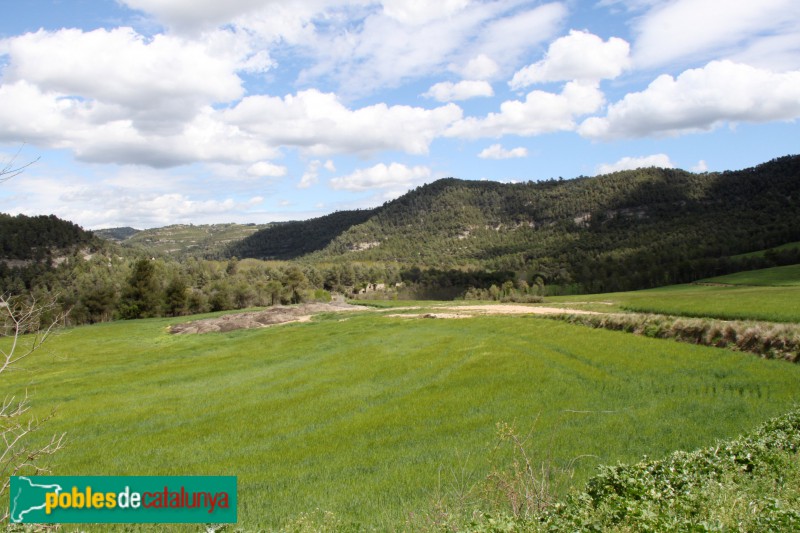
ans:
(146, 113)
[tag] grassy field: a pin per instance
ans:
(771, 294)
(369, 416)
(784, 276)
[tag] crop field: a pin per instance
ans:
(369, 417)
(784, 276)
(771, 294)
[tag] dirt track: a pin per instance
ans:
(466, 311)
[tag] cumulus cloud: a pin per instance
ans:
(131, 200)
(480, 67)
(496, 151)
(382, 176)
(422, 11)
(632, 163)
(196, 14)
(383, 52)
(447, 91)
(701, 29)
(152, 82)
(540, 112)
(266, 169)
(578, 56)
(700, 100)
(311, 175)
(319, 123)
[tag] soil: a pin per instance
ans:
(466, 311)
(280, 314)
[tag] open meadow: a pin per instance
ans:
(770, 294)
(373, 417)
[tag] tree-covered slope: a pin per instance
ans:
(630, 229)
(289, 240)
(116, 234)
(38, 238)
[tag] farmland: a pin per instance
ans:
(369, 416)
(769, 303)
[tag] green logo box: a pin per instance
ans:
(122, 499)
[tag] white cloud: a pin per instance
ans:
(698, 30)
(480, 67)
(496, 151)
(311, 175)
(153, 83)
(266, 169)
(578, 56)
(196, 14)
(541, 112)
(383, 52)
(382, 177)
(417, 12)
(447, 91)
(319, 123)
(132, 200)
(701, 166)
(632, 163)
(700, 100)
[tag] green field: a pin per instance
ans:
(783, 276)
(771, 294)
(369, 416)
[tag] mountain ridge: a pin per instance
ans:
(572, 231)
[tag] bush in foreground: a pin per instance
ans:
(751, 483)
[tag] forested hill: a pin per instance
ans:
(628, 229)
(289, 240)
(40, 237)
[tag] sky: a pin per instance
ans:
(147, 113)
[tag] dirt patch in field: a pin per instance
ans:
(466, 311)
(271, 316)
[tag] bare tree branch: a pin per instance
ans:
(10, 169)
(25, 324)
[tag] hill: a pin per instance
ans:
(39, 238)
(290, 240)
(116, 234)
(181, 240)
(626, 230)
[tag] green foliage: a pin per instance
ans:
(746, 484)
(140, 299)
(37, 238)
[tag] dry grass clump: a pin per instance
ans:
(769, 340)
